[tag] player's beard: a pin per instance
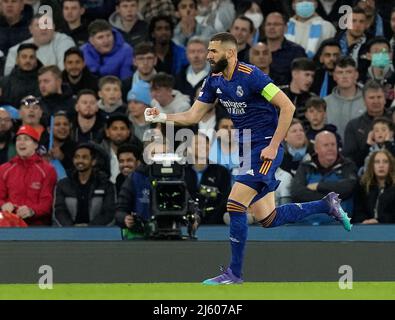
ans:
(220, 65)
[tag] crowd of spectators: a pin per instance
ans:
(75, 81)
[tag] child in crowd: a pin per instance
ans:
(316, 116)
(110, 93)
(380, 137)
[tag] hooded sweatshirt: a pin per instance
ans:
(137, 34)
(341, 110)
(118, 62)
(180, 103)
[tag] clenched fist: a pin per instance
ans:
(154, 115)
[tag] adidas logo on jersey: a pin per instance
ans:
(219, 91)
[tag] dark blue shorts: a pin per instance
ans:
(260, 176)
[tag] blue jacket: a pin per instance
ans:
(134, 196)
(117, 62)
(179, 58)
(340, 178)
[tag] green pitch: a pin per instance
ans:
(196, 291)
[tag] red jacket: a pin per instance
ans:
(30, 182)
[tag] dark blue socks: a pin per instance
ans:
(238, 234)
(293, 212)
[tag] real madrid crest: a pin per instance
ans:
(239, 91)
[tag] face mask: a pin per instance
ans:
(257, 19)
(305, 9)
(380, 60)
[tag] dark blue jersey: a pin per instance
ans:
(247, 99)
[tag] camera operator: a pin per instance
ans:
(210, 183)
(134, 207)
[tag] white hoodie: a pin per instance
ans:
(180, 103)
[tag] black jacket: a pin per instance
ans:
(53, 103)
(19, 84)
(12, 35)
(95, 134)
(299, 100)
(184, 86)
(367, 203)
(101, 204)
(80, 35)
(355, 137)
(319, 77)
(216, 176)
(137, 34)
(87, 81)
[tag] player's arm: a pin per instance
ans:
(287, 109)
(278, 98)
(190, 117)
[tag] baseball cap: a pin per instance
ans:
(13, 112)
(29, 131)
(140, 92)
(30, 101)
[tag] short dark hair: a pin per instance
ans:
(304, 64)
(224, 37)
(316, 103)
(86, 92)
(53, 69)
(109, 79)
(358, 10)
(331, 42)
(283, 16)
(97, 26)
(177, 2)
(118, 116)
(371, 85)
(161, 80)
(384, 120)
(62, 113)
(73, 50)
(86, 145)
(156, 19)
(129, 148)
(244, 18)
(25, 46)
(118, 2)
(81, 2)
(144, 48)
(345, 61)
(377, 40)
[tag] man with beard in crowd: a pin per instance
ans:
(76, 74)
(129, 158)
(117, 132)
(22, 80)
(87, 126)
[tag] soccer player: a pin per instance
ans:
(251, 98)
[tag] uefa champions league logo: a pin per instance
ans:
(239, 91)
